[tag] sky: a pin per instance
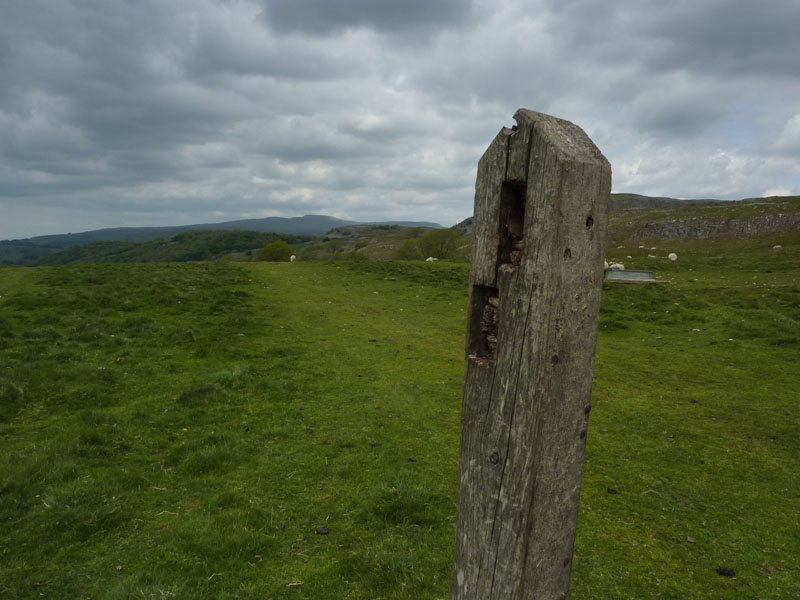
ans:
(170, 112)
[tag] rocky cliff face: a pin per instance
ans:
(668, 219)
(465, 227)
(702, 227)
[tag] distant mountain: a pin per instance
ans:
(307, 225)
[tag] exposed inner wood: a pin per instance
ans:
(485, 308)
(512, 223)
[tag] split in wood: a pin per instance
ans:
(512, 223)
(489, 324)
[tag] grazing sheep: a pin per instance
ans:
(430, 259)
(616, 267)
(778, 247)
(672, 257)
(292, 258)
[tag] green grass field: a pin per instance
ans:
(276, 430)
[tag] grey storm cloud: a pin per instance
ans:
(330, 16)
(176, 111)
(720, 37)
(732, 37)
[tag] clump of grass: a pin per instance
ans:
(12, 398)
(200, 394)
(413, 505)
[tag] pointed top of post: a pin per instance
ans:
(564, 135)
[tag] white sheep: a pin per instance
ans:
(672, 257)
(430, 259)
(292, 258)
(605, 265)
(616, 267)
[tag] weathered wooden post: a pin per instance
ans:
(541, 211)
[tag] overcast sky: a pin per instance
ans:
(163, 112)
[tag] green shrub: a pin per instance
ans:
(415, 232)
(409, 250)
(439, 243)
(278, 251)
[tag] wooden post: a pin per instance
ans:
(541, 211)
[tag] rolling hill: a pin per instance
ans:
(634, 220)
(32, 250)
(191, 245)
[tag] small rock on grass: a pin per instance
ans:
(726, 571)
(323, 531)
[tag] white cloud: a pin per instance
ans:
(789, 138)
(776, 192)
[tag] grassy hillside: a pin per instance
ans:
(185, 246)
(625, 201)
(255, 430)
(634, 221)
(379, 242)
(21, 252)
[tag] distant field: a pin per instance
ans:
(276, 430)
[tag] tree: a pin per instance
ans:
(439, 243)
(408, 250)
(278, 251)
